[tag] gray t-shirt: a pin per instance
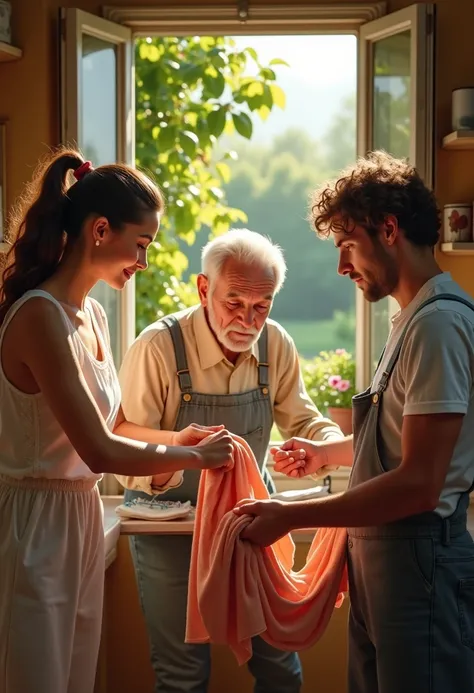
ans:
(434, 375)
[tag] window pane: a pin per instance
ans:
(98, 124)
(99, 100)
(391, 132)
(391, 105)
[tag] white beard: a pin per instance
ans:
(222, 334)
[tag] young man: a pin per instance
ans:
(222, 362)
(410, 556)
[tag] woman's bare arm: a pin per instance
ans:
(44, 348)
(128, 429)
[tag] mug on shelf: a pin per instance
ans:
(457, 227)
(463, 109)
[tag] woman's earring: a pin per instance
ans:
(97, 242)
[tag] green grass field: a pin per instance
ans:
(311, 337)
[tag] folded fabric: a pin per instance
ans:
(153, 509)
(238, 590)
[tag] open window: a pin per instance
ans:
(395, 102)
(98, 117)
(395, 113)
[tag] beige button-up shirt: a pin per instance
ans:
(150, 389)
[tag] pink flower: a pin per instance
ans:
(343, 385)
(334, 381)
(340, 351)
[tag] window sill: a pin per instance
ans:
(458, 248)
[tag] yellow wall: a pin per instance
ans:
(30, 102)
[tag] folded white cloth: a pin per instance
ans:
(153, 509)
(301, 494)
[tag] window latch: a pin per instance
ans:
(243, 11)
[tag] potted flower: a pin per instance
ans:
(330, 382)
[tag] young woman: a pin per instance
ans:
(61, 423)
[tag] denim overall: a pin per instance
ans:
(411, 582)
(162, 562)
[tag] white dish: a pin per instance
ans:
(153, 509)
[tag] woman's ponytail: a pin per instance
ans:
(51, 216)
(37, 226)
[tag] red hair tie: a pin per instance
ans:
(81, 171)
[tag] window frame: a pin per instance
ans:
(368, 21)
(419, 19)
(337, 18)
(363, 20)
(245, 19)
(74, 24)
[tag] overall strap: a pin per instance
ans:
(263, 379)
(396, 353)
(184, 377)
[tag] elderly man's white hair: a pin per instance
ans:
(247, 247)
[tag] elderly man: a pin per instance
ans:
(410, 556)
(222, 362)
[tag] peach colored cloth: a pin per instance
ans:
(238, 590)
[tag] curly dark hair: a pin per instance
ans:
(377, 186)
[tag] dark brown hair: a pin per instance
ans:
(51, 215)
(377, 186)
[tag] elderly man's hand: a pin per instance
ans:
(194, 434)
(299, 457)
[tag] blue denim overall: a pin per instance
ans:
(162, 562)
(411, 582)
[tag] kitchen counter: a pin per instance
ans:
(115, 526)
(111, 527)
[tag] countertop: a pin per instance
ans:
(111, 528)
(115, 526)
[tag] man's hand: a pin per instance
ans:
(270, 521)
(298, 457)
(193, 434)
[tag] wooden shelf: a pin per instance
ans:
(460, 139)
(457, 248)
(9, 53)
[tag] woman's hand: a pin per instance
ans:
(299, 457)
(216, 451)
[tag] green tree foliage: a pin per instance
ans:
(339, 142)
(273, 184)
(190, 93)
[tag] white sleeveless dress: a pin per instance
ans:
(51, 529)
